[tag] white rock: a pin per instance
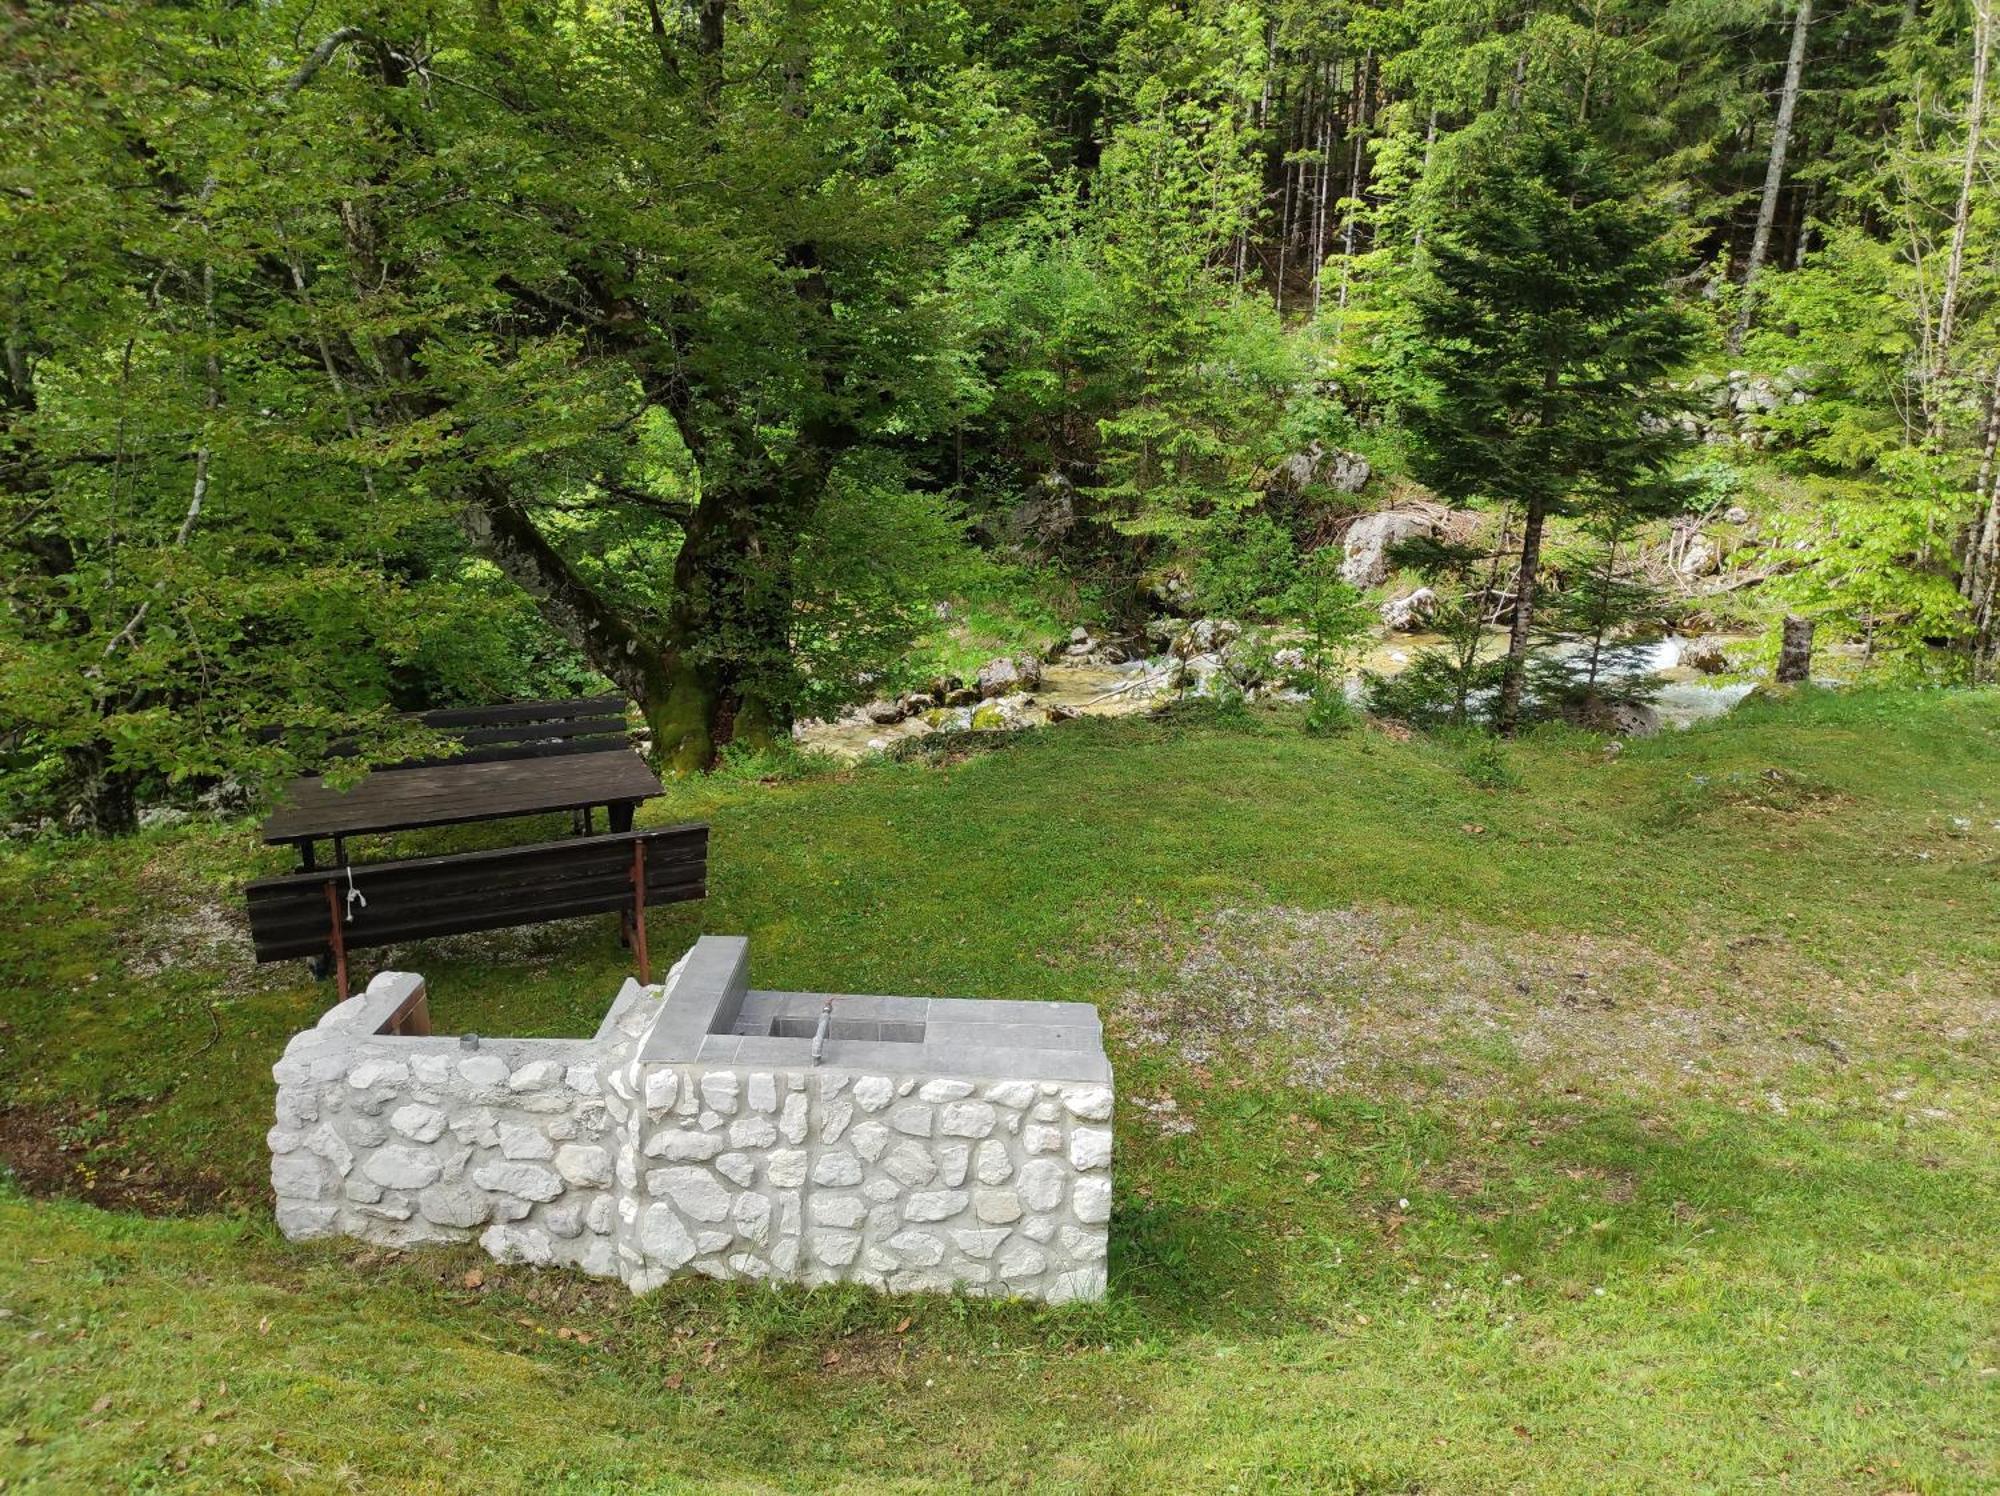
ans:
(483, 1070)
(751, 1215)
(695, 1192)
(299, 1178)
(835, 1248)
(873, 1092)
(1090, 1147)
(370, 1073)
(868, 1140)
(1022, 1261)
(520, 1141)
(661, 1086)
(453, 1205)
(738, 1168)
(912, 1119)
(331, 1146)
(663, 1238)
(536, 1075)
(599, 1216)
(837, 1168)
(362, 1190)
(996, 1207)
(792, 1124)
(953, 1161)
(880, 1190)
(1041, 1183)
(917, 1248)
(1041, 1137)
(475, 1128)
(584, 1080)
(980, 1244)
(753, 1132)
(993, 1166)
(763, 1093)
(529, 1181)
(581, 1163)
(1039, 1228)
(844, 1211)
(419, 1123)
(1091, 1200)
(910, 1164)
(301, 1222)
(833, 1119)
(935, 1205)
(684, 1146)
(966, 1119)
(719, 1090)
(1014, 1093)
(1093, 1105)
(944, 1090)
(399, 1167)
(1079, 1245)
(786, 1168)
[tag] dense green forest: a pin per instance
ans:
(376, 356)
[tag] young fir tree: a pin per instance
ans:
(1545, 330)
(1595, 638)
(1453, 682)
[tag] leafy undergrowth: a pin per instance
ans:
(1635, 1127)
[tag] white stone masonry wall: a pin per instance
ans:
(582, 1153)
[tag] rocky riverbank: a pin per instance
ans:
(1179, 659)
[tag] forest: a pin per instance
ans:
(457, 352)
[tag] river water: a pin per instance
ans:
(1685, 695)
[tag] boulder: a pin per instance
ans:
(1700, 558)
(1412, 611)
(1205, 636)
(1627, 719)
(1366, 561)
(1704, 654)
(1342, 472)
(883, 713)
(962, 696)
(1004, 676)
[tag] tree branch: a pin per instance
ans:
(317, 59)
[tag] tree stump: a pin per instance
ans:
(1795, 650)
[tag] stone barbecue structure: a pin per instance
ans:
(931, 1144)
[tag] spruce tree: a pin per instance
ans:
(1546, 328)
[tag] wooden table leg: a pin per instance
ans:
(305, 846)
(619, 814)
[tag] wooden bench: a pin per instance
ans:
(326, 913)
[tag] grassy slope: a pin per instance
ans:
(1759, 1257)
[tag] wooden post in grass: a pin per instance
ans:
(1795, 650)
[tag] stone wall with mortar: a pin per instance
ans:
(686, 1136)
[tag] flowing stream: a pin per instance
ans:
(1096, 690)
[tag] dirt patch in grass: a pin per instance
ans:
(1388, 1002)
(77, 1153)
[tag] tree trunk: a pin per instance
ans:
(1774, 172)
(1980, 576)
(1795, 651)
(1954, 271)
(1508, 715)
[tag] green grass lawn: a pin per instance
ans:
(1630, 1125)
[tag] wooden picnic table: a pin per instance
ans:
(452, 794)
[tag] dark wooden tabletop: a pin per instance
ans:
(451, 794)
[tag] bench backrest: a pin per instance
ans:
(295, 914)
(514, 729)
(531, 729)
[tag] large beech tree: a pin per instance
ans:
(288, 296)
